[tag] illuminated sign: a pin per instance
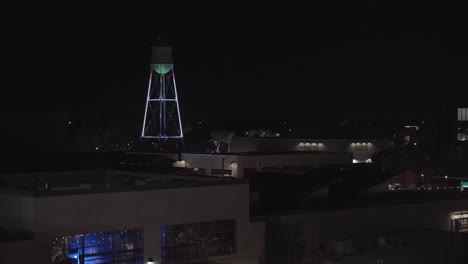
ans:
(460, 225)
(459, 222)
(464, 184)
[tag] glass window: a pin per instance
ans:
(198, 240)
(124, 246)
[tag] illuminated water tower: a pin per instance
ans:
(162, 114)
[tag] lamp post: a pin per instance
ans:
(222, 166)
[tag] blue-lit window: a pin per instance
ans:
(123, 247)
(198, 240)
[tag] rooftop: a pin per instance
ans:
(101, 181)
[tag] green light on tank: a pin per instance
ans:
(161, 68)
(464, 184)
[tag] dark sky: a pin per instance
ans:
(280, 61)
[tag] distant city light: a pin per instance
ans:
(362, 161)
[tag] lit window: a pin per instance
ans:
(198, 240)
(462, 114)
(126, 246)
(462, 134)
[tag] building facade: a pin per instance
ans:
(240, 165)
(170, 221)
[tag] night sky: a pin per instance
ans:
(277, 61)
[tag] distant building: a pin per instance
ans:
(397, 226)
(462, 125)
(451, 126)
(362, 150)
(450, 137)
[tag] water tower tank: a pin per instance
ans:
(161, 59)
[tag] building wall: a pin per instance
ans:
(362, 149)
(372, 221)
(208, 162)
(291, 160)
(237, 164)
(77, 214)
(16, 211)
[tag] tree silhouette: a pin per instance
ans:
(219, 137)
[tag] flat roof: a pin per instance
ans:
(102, 181)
